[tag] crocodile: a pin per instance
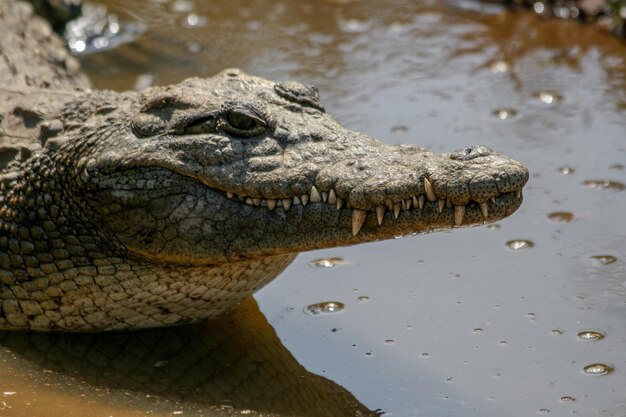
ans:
(127, 210)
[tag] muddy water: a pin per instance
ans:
(521, 318)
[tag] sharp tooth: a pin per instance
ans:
(408, 204)
(324, 196)
(442, 204)
(389, 204)
(358, 218)
(459, 212)
(484, 207)
(286, 203)
(519, 194)
(271, 203)
(380, 214)
(256, 201)
(315, 195)
(415, 202)
(263, 203)
(229, 194)
(429, 190)
(305, 199)
(332, 197)
(339, 202)
(296, 201)
(420, 201)
(493, 200)
(396, 210)
(403, 203)
(249, 201)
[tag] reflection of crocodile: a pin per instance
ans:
(235, 362)
(127, 210)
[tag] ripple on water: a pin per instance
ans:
(519, 244)
(605, 185)
(590, 335)
(326, 263)
(597, 369)
(505, 114)
(327, 307)
(549, 98)
(603, 260)
(561, 216)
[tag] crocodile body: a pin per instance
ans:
(130, 210)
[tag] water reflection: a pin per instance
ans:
(237, 362)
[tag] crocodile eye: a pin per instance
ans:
(240, 121)
(243, 120)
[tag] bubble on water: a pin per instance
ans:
(477, 330)
(449, 379)
(326, 263)
(519, 244)
(503, 343)
(499, 66)
(424, 355)
(567, 399)
(590, 335)
(538, 7)
(603, 260)
(557, 332)
(548, 97)
(390, 342)
(604, 184)
(566, 170)
(193, 20)
(561, 216)
(543, 411)
(597, 369)
(182, 6)
(193, 47)
(505, 114)
(531, 316)
(328, 307)
(363, 299)
(369, 354)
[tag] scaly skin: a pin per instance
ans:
(131, 210)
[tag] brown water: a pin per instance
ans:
(491, 321)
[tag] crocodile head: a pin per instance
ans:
(236, 167)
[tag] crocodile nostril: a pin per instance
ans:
(470, 153)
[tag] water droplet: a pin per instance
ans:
(590, 335)
(597, 369)
(603, 260)
(505, 114)
(193, 20)
(194, 47)
(538, 7)
(520, 244)
(449, 379)
(548, 97)
(503, 343)
(369, 354)
(363, 299)
(567, 399)
(409, 327)
(425, 355)
(561, 216)
(605, 184)
(566, 170)
(544, 411)
(617, 167)
(326, 263)
(557, 332)
(182, 6)
(328, 307)
(477, 330)
(531, 316)
(499, 66)
(390, 342)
